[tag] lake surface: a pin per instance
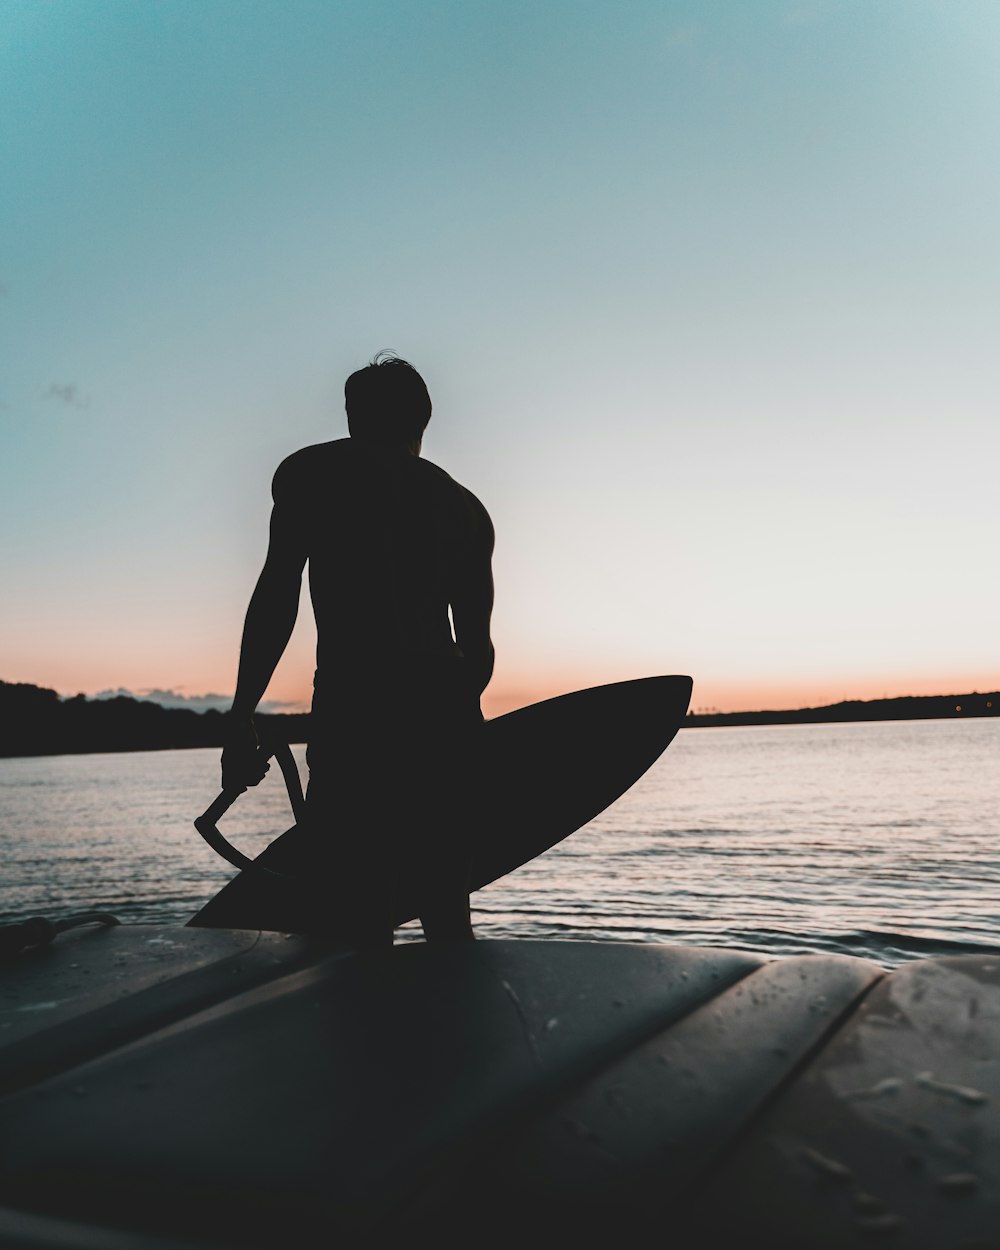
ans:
(876, 839)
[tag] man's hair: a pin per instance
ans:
(387, 401)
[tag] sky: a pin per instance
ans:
(705, 295)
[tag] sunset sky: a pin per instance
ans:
(705, 294)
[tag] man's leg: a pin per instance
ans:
(352, 888)
(445, 915)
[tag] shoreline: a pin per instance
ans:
(35, 721)
(973, 706)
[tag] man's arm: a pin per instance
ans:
(472, 607)
(270, 620)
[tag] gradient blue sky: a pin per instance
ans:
(705, 294)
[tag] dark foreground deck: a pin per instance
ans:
(173, 1087)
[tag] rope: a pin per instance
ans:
(40, 931)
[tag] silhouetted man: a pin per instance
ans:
(394, 545)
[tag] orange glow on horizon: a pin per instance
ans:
(504, 696)
(292, 685)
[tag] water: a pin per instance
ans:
(880, 840)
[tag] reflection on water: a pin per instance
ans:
(880, 840)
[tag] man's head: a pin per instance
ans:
(387, 402)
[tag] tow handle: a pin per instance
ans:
(207, 823)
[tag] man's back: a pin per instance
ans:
(392, 542)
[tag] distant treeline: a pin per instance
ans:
(910, 707)
(36, 721)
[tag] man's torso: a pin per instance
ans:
(388, 537)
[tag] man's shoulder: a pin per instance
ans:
(432, 477)
(297, 470)
(469, 502)
(317, 454)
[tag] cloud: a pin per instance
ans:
(803, 15)
(68, 393)
(194, 702)
(170, 698)
(681, 36)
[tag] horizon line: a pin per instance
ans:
(212, 701)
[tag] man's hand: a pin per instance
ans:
(242, 762)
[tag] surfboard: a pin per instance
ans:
(547, 769)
